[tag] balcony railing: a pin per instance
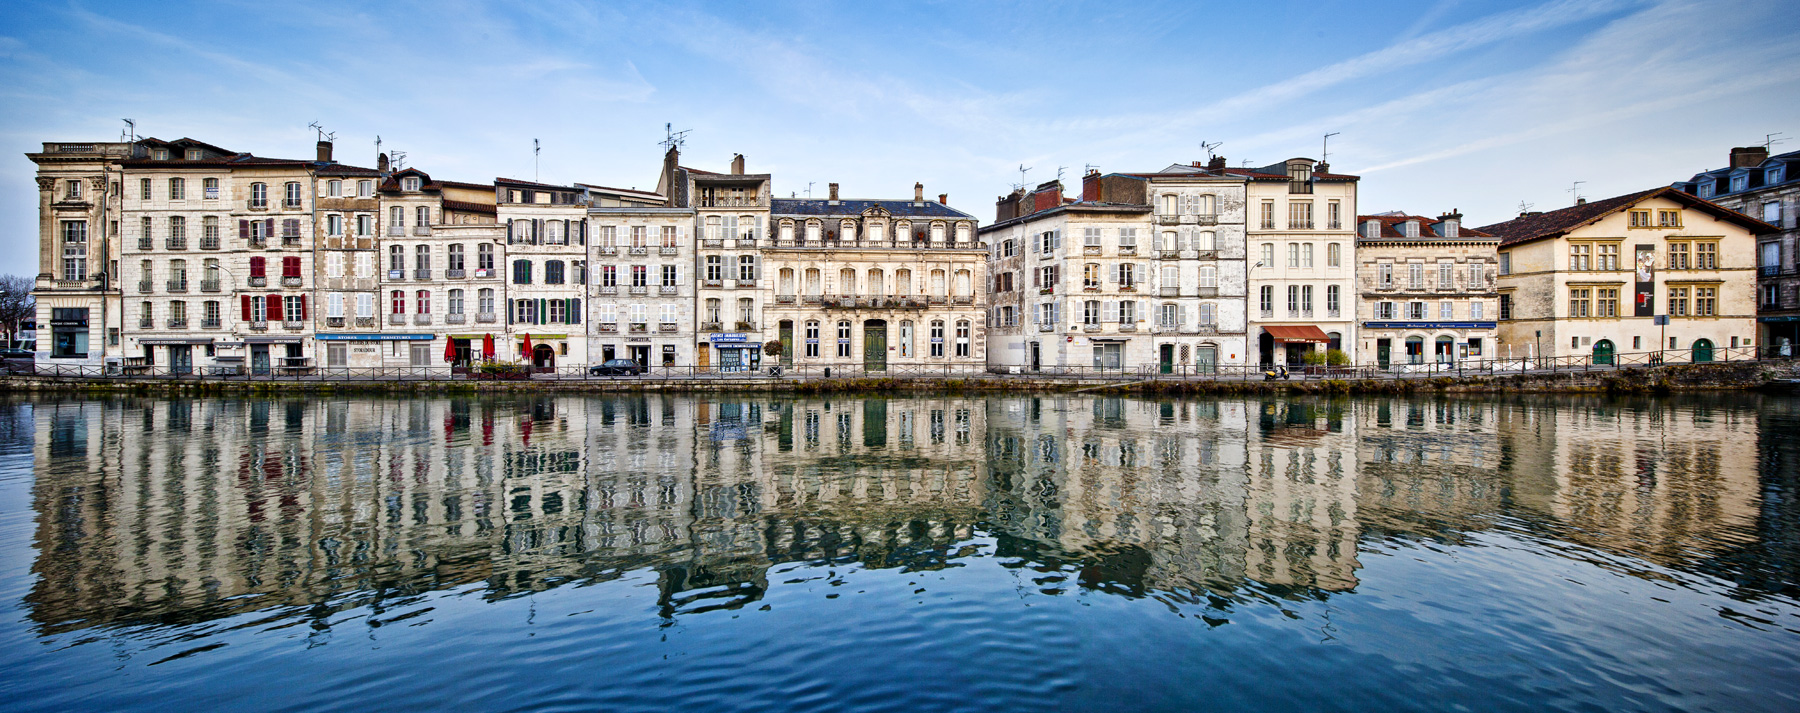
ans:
(609, 327)
(609, 250)
(146, 323)
(667, 327)
(746, 283)
(1090, 327)
(293, 324)
(668, 290)
(291, 280)
(1127, 249)
(424, 230)
(209, 324)
(211, 243)
(396, 319)
(1047, 327)
(1171, 291)
(608, 290)
(257, 281)
(1127, 326)
(146, 286)
(639, 327)
(486, 317)
(784, 299)
(396, 275)
(711, 327)
(963, 299)
(146, 243)
(422, 318)
(1168, 254)
(424, 274)
(712, 283)
(396, 231)
(177, 285)
(640, 251)
(639, 290)
(175, 243)
(259, 326)
(483, 272)
(454, 274)
(669, 250)
(455, 318)
(334, 321)
(745, 326)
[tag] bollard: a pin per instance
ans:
(828, 372)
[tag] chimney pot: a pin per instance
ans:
(737, 164)
(324, 152)
(834, 192)
(944, 199)
(1581, 201)
(918, 193)
(1216, 164)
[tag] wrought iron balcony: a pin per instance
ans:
(175, 243)
(609, 327)
(211, 243)
(291, 281)
(667, 327)
(177, 285)
(668, 290)
(486, 317)
(209, 324)
(422, 318)
(146, 286)
(455, 318)
(256, 281)
(396, 319)
(293, 325)
(454, 274)
(639, 327)
(209, 286)
(424, 274)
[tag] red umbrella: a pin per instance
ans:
(487, 346)
(449, 350)
(526, 348)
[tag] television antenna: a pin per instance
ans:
(1325, 147)
(1769, 141)
(809, 185)
(1575, 192)
(378, 144)
(1059, 173)
(535, 149)
(323, 135)
(1524, 207)
(1023, 169)
(673, 139)
(398, 159)
(1089, 168)
(1208, 147)
(130, 132)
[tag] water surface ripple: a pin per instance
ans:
(552, 553)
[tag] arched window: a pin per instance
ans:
(396, 257)
(397, 302)
(1170, 242)
(847, 230)
(903, 231)
(396, 218)
(787, 231)
(937, 232)
(962, 233)
(485, 300)
(813, 229)
(422, 260)
(1207, 206)
(177, 189)
(456, 257)
(846, 282)
(1333, 255)
(1168, 204)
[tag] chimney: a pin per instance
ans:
(1581, 200)
(737, 164)
(666, 183)
(381, 163)
(943, 199)
(1216, 164)
(834, 195)
(1090, 187)
(918, 193)
(324, 152)
(1748, 156)
(1323, 167)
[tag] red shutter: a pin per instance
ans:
(258, 267)
(243, 230)
(245, 303)
(274, 308)
(303, 307)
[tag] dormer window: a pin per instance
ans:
(160, 154)
(1772, 176)
(409, 183)
(1299, 178)
(1706, 189)
(193, 154)
(1410, 228)
(1739, 183)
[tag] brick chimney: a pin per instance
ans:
(943, 199)
(324, 152)
(1748, 156)
(1216, 164)
(1090, 186)
(737, 164)
(833, 193)
(918, 193)
(381, 163)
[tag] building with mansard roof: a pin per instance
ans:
(1768, 188)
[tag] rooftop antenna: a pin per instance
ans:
(1769, 141)
(1209, 147)
(378, 144)
(130, 132)
(1575, 192)
(809, 185)
(398, 158)
(535, 148)
(1059, 172)
(1325, 147)
(673, 139)
(317, 128)
(1524, 207)
(1023, 169)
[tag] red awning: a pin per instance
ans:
(1297, 333)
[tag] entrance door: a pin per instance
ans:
(1206, 359)
(259, 358)
(337, 354)
(606, 353)
(787, 342)
(875, 345)
(1036, 356)
(181, 358)
(544, 357)
(1296, 352)
(1166, 359)
(1384, 352)
(420, 353)
(1265, 343)
(1603, 351)
(703, 355)
(640, 353)
(1108, 356)
(1703, 350)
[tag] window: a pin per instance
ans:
(334, 224)
(1678, 256)
(640, 276)
(1332, 300)
(422, 257)
(334, 189)
(937, 338)
(143, 189)
(1268, 215)
(1384, 274)
(669, 275)
(1639, 219)
(1268, 300)
(1090, 237)
(1128, 277)
(669, 237)
(1446, 276)
(525, 311)
(1306, 254)
(1333, 255)
(1606, 256)
(1169, 242)
(1293, 300)
(1706, 256)
(291, 195)
(209, 188)
(177, 189)
(423, 298)
(1505, 263)
(843, 340)
(259, 194)
(1335, 214)
(1477, 275)
(1300, 215)
(1047, 277)
(365, 188)
(258, 267)
(1706, 300)
(1168, 205)
(1476, 309)
(1738, 183)
(1168, 316)
(422, 216)
(1049, 241)
(714, 313)
(715, 270)
(1209, 315)
(396, 257)
(521, 272)
(553, 272)
(209, 311)
(1090, 312)
(1668, 218)
(556, 311)
(1128, 238)
(1008, 248)
(74, 254)
(397, 302)
(410, 183)
(1580, 302)
(1293, 255)
(1581, 256)
(1606, 302)
(1446, 310)
(812, 339)
(365, 224)
(1415, 275)
(1771, 213)
(1506, 306)
(1415, 310)
(1384, 310)
(746, 268)
(485, 300)
(1209, 276)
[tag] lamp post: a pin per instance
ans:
(1540, 348)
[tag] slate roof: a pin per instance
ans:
(1556, 223)
(1756, 176)
(340, 169)
(855, 207)
(1390, 227)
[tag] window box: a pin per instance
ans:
(639, 327)
(334, 321)
(667, 327)
(609, 327)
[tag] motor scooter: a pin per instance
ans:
(1278, 371)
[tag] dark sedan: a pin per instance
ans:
(616, 367)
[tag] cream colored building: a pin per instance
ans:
(730, 210)
(1302, 238)
(641, 283)
(79, 315)
(875, 284)
(1425, 290)
(1591, 280)
(545, 272)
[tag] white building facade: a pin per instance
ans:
(641, 286)
(1302, 242)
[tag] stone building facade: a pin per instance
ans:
(730, 210)
(875, 284)
(77, 287)
(1425, 290)
(1591, 281)
(1766, 188)
(546, 272)
(347, 268)
(641, 283)
(1302, 274)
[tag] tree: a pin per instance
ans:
(16, 305)
(772, 348)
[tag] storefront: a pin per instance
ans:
(1781, 335)
(180, 354)
(1288, 344)
(69, 332)
(733, 351)
(374, 350)
(269, 354)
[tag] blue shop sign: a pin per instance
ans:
(730, 337)
(375, 337)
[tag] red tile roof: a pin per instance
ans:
(1557, 223)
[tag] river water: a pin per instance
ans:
(909, 554)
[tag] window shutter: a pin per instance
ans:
(1142, 272)
(583, 226)
(510, 311)
(565, 232)
(303, 307)
(275, 308)
(243, 230)
(542, 311)
(268, 228)
(509, 231)
(574, 310)
(537, 231)
(678, 274)
(1115, 272)
(244, 306)
(1037, 278)
(1180, 315)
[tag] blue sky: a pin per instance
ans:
(1451, 104)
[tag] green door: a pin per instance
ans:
(1703, 349)
(875, 345)
(1603, 351)
(787, 342)
(1167, 360)
(1384, 351)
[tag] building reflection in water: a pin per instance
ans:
(160, 511)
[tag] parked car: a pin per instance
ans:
(18, 361)
(616, 367)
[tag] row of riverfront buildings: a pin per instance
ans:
(186, 255)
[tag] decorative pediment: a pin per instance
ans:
(875, 211)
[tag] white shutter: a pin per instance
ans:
(1180, 316)
(1115, 272)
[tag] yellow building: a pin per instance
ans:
(1591, 280)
